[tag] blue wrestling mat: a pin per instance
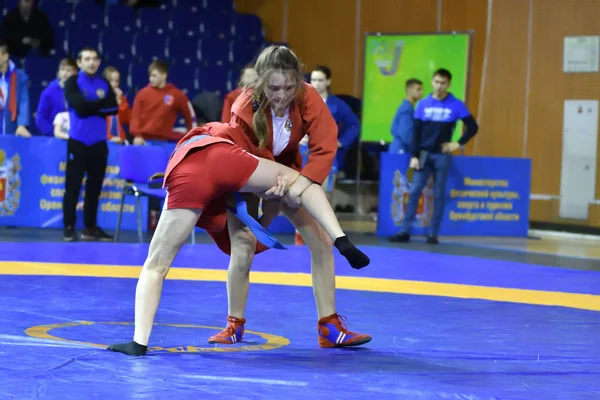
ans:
(443, 327)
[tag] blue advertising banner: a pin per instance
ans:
(32, 182)
(485, 196)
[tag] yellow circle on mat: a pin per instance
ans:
(273, 341)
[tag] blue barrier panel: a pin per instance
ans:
(485, 196)
(32, 182)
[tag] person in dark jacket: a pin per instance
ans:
(90, 99)
(26, 27)
(403, 122)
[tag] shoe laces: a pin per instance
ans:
(339, 322)
(230, 330)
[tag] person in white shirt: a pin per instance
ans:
(61, 125)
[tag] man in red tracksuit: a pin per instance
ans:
(156, 107)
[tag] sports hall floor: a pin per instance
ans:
(471, 318)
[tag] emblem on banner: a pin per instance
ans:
(10, 183)
(400, 193)
(387, 55)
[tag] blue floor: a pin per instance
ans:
(424, 347)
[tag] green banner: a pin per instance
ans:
(390, 60)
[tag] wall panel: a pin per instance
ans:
(271, 13)
(502, 113)
(550, 87)
(469, 15)
(327, 37)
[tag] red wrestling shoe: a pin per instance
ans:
(298, 241)
(334, 333)
(231, 334)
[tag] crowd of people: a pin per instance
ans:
(153, 116)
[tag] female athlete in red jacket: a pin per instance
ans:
(276, 110)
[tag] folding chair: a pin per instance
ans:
(136, 165)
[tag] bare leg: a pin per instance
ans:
(321, 257)
(174, 227)
(243, 246)
(327, 194)
(314, 199)
(315, 202)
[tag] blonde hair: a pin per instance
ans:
(108, 71)
(272, 59)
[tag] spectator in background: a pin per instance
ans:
(248, 74)
(26, 27)
(115, 123)
(155, 108)
(14, 96)
(90, 100)
(431, 150)
(403, 125)
(61, 125)
(52, 101)
(347, 122)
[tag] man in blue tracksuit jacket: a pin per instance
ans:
(14, 96)
(431, 149)
(403, 122)
(52, 99)
(90, 99)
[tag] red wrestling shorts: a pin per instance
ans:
(207, 174)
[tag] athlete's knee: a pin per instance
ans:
(161, 255)
(293, 197)
(290, 175)
(243, 247)
(323, 246)
(240, 262)
(157, 263)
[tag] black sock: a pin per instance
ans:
(355, 257)
(131, 348)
